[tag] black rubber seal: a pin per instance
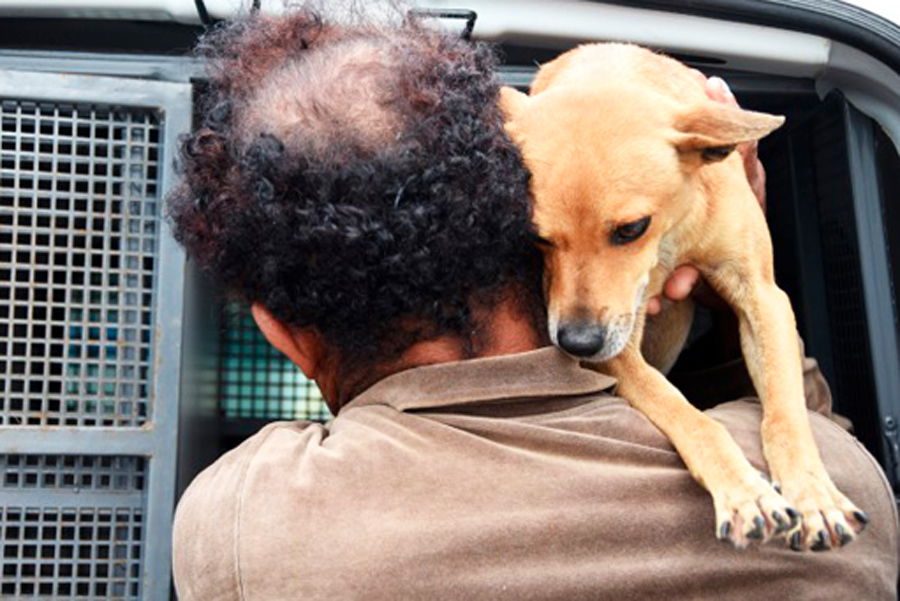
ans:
(203, 13)
(831, 19)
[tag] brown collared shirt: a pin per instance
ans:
(515, 477)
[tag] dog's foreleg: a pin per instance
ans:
(772, 352)
(747, 507)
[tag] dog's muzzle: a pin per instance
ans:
(581, 339)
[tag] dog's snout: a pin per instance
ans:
(581, 339)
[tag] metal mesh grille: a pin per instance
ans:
(78, 237)
(71, 526)
(81, 472)
(257, 381)
(854, 380)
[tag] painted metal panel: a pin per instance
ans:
(91, 287)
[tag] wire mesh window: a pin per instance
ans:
(257, 381)
(78, 237)
(87, 546)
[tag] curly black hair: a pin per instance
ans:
(356, 179)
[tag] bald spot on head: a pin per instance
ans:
(334, 102)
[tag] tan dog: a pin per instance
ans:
(633, 174)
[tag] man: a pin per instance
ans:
(354, 184)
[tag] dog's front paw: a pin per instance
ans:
(752, 511)
(828, 518)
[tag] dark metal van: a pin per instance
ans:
(122, 373)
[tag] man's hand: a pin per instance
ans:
(683, 281)
(718, 90)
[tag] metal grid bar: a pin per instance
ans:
(91, 553)
(106, 441)
(78, 231)
(71, 525)
(258, 382)
(79, 473)
(90, 328)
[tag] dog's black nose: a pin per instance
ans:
(581, 340)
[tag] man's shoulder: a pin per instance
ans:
(226, 477)
(207, 519)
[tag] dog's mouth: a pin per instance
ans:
(593, 340)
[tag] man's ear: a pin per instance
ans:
(303, 347)
(713, 125)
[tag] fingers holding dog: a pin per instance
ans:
(686, 278)
(718, 90)
(678, 287)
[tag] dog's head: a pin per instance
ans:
(621, 170)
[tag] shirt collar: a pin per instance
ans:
(546, 372)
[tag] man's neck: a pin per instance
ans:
(503, 331)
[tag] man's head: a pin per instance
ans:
(356, 181)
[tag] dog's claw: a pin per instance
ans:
(862, 517)
(824, 519)
(793, 515)
(725, 532)
(781, 525)
(843, 536)
(822, 542)
(759, 529)
(752, 513)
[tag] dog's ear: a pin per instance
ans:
(511, 102)
(713, 125)
(549, 71)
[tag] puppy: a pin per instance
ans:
(633, 174)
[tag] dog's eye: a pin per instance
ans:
(716, 153)
(629, 232)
